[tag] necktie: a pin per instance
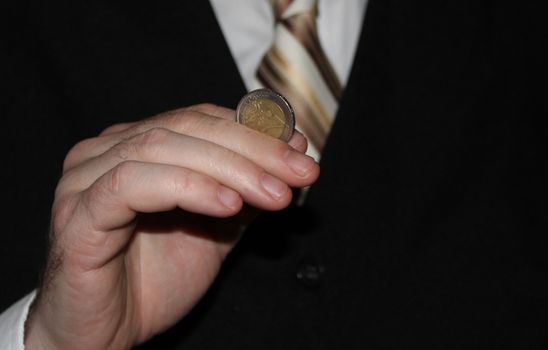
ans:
(297, 67)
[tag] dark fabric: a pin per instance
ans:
(428, 226)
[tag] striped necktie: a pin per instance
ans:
(297, 67)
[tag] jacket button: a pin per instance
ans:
(309, 273)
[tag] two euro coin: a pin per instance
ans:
(268, 112)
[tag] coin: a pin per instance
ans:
(268, 112)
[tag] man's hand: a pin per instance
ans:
(143, 217)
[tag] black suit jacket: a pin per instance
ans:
(428, 224)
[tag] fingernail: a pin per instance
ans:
(298, 141)
(272, 185)
(228, 197)
(299, 163)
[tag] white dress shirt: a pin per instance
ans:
(12, 324)
(248, 27)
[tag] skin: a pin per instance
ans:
(143, 217)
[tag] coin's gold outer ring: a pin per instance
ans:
(288, 122)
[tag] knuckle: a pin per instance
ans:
(77, 153)
(223, 123)
(189, 182)
(122, 150)
(114, 128)
(166, 118)
(183, 183)
(187, 120)
(118, 177)
(193, 126)
(63, 187)
(141, 145)
(206, 108)
(153, 136)
(107, 187)
(197, 119)
(230, 157)
(62, 210)
(182, 120)
(217, 127)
